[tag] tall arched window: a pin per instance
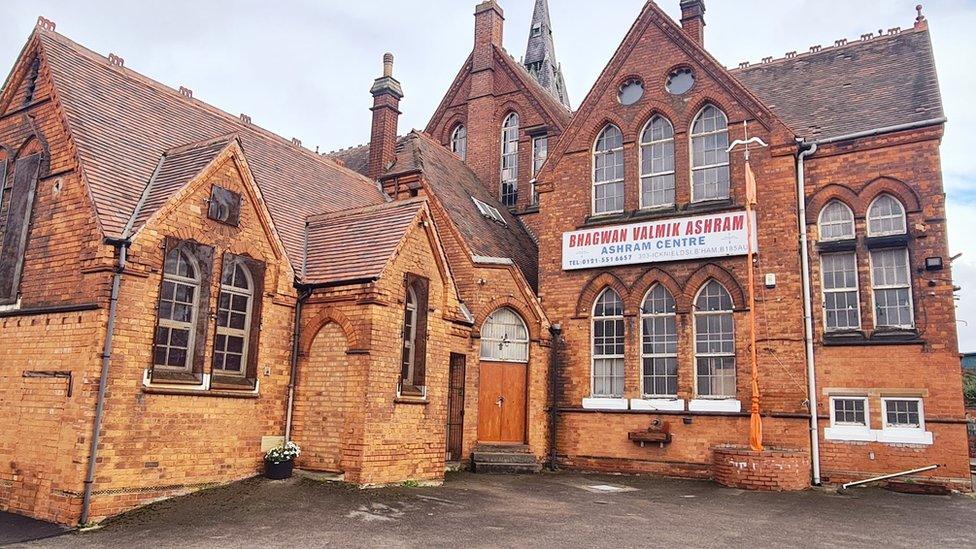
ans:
(459, 141)
(886, 216)
(504, 337)
(608, 171)
(714, 341)
(659, 349)
(657, 163)
(177, 312)
(709, 159)
(608, 345)
(413, 363)
(409, 334)
(234, 310)
(836, 222)
(510, 145)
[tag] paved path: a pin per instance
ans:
(15, 528)
(566, 510)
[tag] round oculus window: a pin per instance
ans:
(680, 81)
(631, 92)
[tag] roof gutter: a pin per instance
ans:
(880, 131)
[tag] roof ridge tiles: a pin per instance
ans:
(216, 111)
(818, 49)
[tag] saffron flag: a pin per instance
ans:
(750, 185)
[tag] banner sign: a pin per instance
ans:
(717, 235)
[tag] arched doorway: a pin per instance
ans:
(502, 379)
(325, 397)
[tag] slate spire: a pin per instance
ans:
(540, 55)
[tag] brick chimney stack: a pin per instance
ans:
(489, 22)
(387, 94)
(693, 20)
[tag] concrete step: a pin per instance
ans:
(501, 468)
(502, 457)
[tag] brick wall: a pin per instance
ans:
(771, 470)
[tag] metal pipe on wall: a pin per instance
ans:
(805, 151)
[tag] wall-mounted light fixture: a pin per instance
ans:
(934, 264)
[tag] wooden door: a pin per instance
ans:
(455, 408)
(501, 403)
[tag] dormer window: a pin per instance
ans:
(489, 211)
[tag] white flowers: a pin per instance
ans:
(281, 454)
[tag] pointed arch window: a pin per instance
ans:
(459, 141)
(886, 217)
(177, 311)
(709, 159)
(714, 342)
(413, 369)
(836, 222)
(608, 172)
(504, 337)
(608, 345)
(657, 163)
(659, 349)
(509, 172)
(234, 310)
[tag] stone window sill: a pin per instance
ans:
(667, 404)
(404, 399)
(214, 393)
(603, 403)
(715, 405)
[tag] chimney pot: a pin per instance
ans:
(387, 64)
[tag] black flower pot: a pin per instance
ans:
(278, 471)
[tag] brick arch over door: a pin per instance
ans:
(357, 341)
(530, 319)
(326, 401)
(593, 288)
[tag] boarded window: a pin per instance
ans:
(225, 206)
(15, 232)
(235, 359)
(182, 313)
(414, 352)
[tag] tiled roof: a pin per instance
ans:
(873, 83)
(356, 244)
(122, 124)
(453, 185)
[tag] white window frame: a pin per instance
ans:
(594, 357)
(459, 143)
(410, 308)
(850, 431)
(907, 286)
(489, 211)
(824, 291)
(694, 329)
(594, 184)
(245, 334)
(537, 161)
(652, 174)
(903, 216)
(691, 153)
(487, 337)
(509, 149)
(904, 435)
(653, 315)
(821, 223)
(190, 326)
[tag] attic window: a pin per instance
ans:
(631, 92)
(225, 206)
(536, 30)
(680, 81)
(489, 211)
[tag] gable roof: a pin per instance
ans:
(356, 244)
(122, 124)
(453, 185)
(873, 83)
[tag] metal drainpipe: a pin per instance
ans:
(556, 331)
(805, 151)
(121, 245)
(303, 294)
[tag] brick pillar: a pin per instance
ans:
(489, 21)
(693, 19)
(387, 94)
(484, 130)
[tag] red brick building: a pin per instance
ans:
(519, 283)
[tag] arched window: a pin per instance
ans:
(836, 222)
(714, 341)
(659, 350)
(177, 312)
(413, 370)
(657, 163)
(459, 141)
(709, 159)
(608, 172)
(886, 216)
(409, 333)
(510, 145)
(234, 310)
(608, 345)
(504, 337)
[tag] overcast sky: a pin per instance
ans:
(303, 68)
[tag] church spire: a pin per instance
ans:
(540, 55)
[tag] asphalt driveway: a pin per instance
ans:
(568, 510)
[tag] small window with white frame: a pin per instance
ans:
(850, 419)
(489, 211)
(903, 420)
(836, 222)
(540, 151)
(886, 217)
